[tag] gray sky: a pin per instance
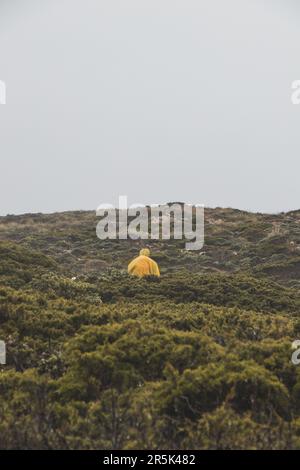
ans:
(159, 100)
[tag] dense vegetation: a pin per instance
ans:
(199, 359)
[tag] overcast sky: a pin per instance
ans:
(160, 100)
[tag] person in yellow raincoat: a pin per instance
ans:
(143, 265)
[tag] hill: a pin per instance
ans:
(199, 359)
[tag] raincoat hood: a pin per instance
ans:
(145, 252)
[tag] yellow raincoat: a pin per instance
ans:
(143, 265)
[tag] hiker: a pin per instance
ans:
(143, 265)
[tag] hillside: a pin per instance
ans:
(198, 359)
